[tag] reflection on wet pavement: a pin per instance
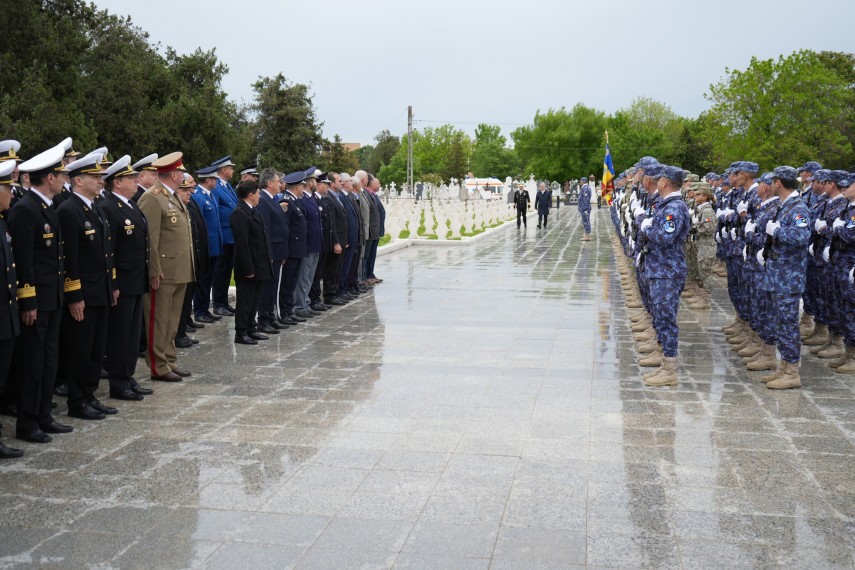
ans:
(482, 408)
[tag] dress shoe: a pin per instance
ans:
(104, 409)
(61, 390)
(10, 452)
(182, 373)
(85, 412)
(318, 307)
(168, 377)
(287, 321)
(204, 318)
(56, 427)
(362, 288)
(183, 342)
(303, 313)
(230, 308)
(298, 318)
(258, 336)
(104, 374)
(127, 394)
(275, 325)
(326, 307)
(223, 312)
(33, 436)
(196, 325)
(10, 410)
(194, 341)
(189, 328)
(267, 329)
(139, 389)
(211, 315)
(243, 339)
(337, 302)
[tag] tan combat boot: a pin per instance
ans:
(849, 366)
(648, 334)
(775, 374)
(647, 347)
(654, 359)
(642, 325)
(754, 347)
(819, 336)
(667, 376)
(690, 290)
(835, 348)
(732, 327)
(791, 378)
(639, 315)
(634, 304)
(806, 325)
(739, 337)
(765, 360)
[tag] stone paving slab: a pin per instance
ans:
(481, 408)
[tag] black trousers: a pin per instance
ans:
(521, 216)
(7, 349)
(331, 274)
(246, 306)
(83, 344)
(270, 294)
(353, 270)
(542, 219)
(315, 289)
(186, 309)
(202, 298)
(34, 365)
(223, 275)
(123, 331)
(290, 274)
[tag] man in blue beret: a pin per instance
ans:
(784, 257)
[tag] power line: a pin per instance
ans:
(470, 123)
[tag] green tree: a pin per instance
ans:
(287, 133)
(490, 154)
(561, 145)
(336, 158)
(783, 111)
(382, 153)
(363, 155)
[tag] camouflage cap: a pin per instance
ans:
(701, 187)
(811, 166)
(837, 176)
(766, 178)
(673, 173)
(693, 177)
(748, 166)
(785, 173)
(653, 170)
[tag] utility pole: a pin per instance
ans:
(410, 183)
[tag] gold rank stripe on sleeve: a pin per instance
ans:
(26, 291)
(114, 273)
(71, 285)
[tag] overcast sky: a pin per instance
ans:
(493, 61)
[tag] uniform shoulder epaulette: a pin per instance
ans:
(155, 191)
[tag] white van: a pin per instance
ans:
(487, 188)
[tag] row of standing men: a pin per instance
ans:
(765, 232)
(100, 257)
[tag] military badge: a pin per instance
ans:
(851, 223)
(87, 225)
(47, 228)
(801, 221)
(669, 225)
(284, 205)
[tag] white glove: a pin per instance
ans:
(723, 233)
(695, 220)
(750, 226)
(733, 234)
(638, 259)
(717, 238)
(819, 225)
(838, 223)
(760, 258)
(634, 204)
(728, 211)
(631, 246)
(810, 250)
(628, 217)
(772, 227)
(826, 254)
(718, 213)
(742, 207)
(852, 276)
(745, 252)
(645, 224)
(637, 211)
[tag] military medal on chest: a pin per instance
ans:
(47, 235)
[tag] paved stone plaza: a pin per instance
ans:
(482, 408)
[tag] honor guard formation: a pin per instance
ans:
(107, 262)
(784, 240)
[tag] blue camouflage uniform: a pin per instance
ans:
(664, 263)
(826, 298)
(585, 207)
(786, 266)
(763, 300)
(843, 260)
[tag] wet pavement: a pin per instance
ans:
(482, 408)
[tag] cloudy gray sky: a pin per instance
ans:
(495, 61)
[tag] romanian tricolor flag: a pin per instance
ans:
(608, 176)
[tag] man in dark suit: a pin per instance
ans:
(129, 231)
(200, 262)
(352, 285)
(253, 263)
(10, 326)
(207, 203)
(276, 221)
(90, 289)
(333, 262)
(353, 230)
(297, 247)
(371, 255)
(542, 203)
(35, 230)
(330, 247)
